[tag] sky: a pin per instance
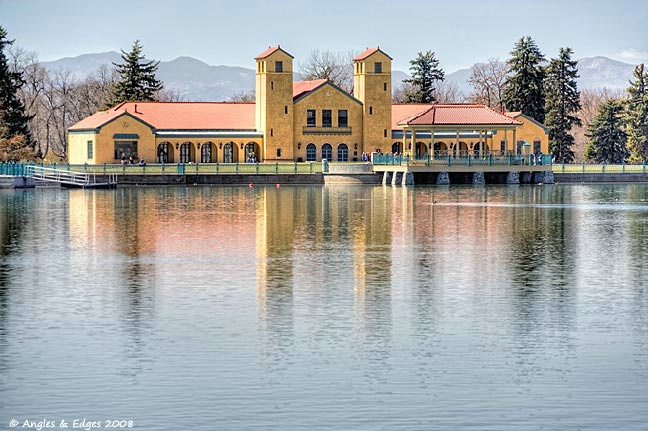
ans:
(459, 32)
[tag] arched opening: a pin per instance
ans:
(229, 152)
(251, 152)
(164, 153)
(421, 150)
(440, 149)
(207, 153)
(186, 152)
(327, 152)
(342, 153)
(475, 149)
(397, 147)
(463, 149)
(311, 153)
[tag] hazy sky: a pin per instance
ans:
(217, 32)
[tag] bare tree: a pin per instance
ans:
(448, 92)
(243, 96)
(400, 92)
(591, 100)
(488, 81)
(337, 67)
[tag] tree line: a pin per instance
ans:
(37, 106)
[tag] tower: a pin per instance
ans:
(372, 86)
(274, 103)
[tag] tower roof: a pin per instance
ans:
(369, 52)
(271, 50)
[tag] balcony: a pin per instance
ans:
(327, 130)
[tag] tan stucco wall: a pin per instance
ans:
(274, 110)
(374, 90)
(78, 148)
(529, 131)
(328, 97)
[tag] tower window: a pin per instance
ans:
(378, 67)
(326, 118)
(286, 109)
(385, 86)
(278, 153)
(385, 133)
(271, 85)
(371, 110)
(271, 132)
(278, 66)
(310, 118)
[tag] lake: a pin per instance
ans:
(325, 308)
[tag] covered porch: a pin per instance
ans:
(457, 131)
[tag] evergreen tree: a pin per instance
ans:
(562, 104)
(525, 85)
(137, 81)
(425, 74)
(606, 134)
(12, 111)
(636, 116)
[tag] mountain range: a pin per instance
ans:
(195, 80)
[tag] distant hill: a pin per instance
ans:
(195, 80)
(595, 72)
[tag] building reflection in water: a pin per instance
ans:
(274, 221)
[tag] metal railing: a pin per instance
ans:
(463, 159)
(63, 176)
(600, 168)
(19, 169)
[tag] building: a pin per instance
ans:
(298, 121)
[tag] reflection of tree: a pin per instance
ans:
(637, 242)
(13, 222)
(542, 263)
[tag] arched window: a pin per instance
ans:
(228, 152)
(185, 152)
(311, 153)
(342, 153)
(163, 152)
(327, 152)
(206, 153)
(396, 147)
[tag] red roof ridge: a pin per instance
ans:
(271, 50)
(368, 52)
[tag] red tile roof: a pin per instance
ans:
(457, 114)
(179, 115)
(302, 87)
(269, 51)
(368, 53)
(403, 111)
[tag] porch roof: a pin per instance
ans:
(449, 116)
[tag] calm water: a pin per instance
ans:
(326, 308)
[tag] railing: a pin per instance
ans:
(79, 172)
(62, 176)
(19, 169)
(602, 168)
(463, 159)
(327, 131)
